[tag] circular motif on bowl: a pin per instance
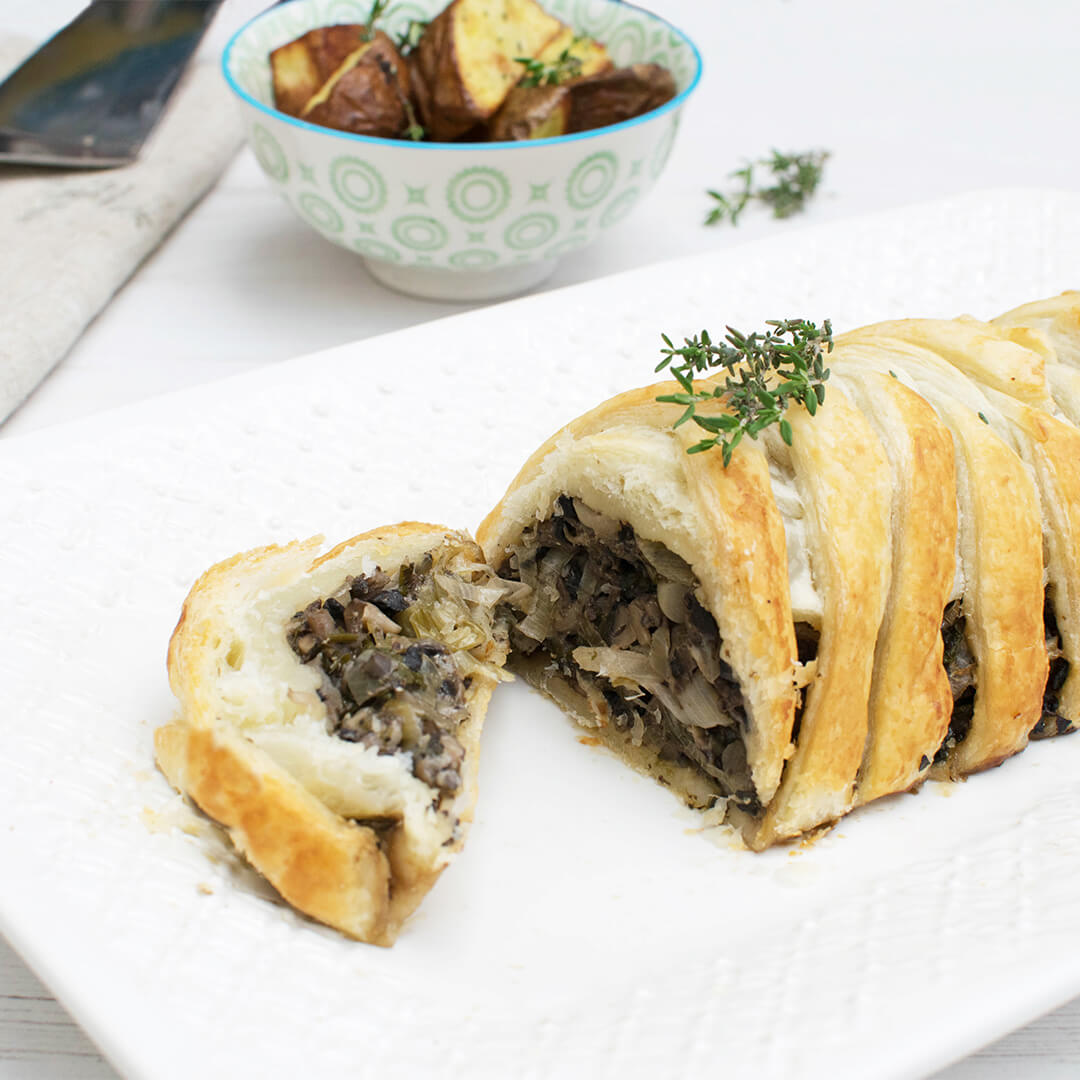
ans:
(478, 194)
(530, 231)
(619, 207)
(593, 19)
(269, 154)
(358, 185)
(474, 259)
(376, 249)
(420, 233)
(626, 43)
(591, 180)
(320, 213)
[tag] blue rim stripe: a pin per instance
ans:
(520, 144)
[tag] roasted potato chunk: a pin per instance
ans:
(466, 62)
(368, 93)
(539, 112)
(617, 95)
(299, 68)
(532, 112)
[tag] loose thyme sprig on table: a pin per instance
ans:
(765, 372)
(795, 178)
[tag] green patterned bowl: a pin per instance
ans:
(460, 221)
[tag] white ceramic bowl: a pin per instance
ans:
(460, 221)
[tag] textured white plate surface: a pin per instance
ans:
(591, 928)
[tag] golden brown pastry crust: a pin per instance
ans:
(1056, 320)
(910, 700)
(977, 349)
(841, 467)
(1049, 446)
(1000, 550)
(310, 850)
(1053, 453)
(329, 868)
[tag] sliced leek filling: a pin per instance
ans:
(1052, 722)
(395, 657)
(616, 621)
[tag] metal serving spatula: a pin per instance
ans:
(91, 94)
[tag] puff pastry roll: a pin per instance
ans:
(330, 713)
(894, 595)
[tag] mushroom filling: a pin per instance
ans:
(961, 668)
(395, 658)
(1051, 722)
(618, 620)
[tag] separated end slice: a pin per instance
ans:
(330, 714)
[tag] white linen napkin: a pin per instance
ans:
(70, 238)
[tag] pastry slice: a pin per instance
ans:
(330, 714)
(910, 697)
(994, 642)
(677, 607)
(659, 615)
(1050, 446)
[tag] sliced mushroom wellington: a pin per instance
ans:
(330, 714)
(808, 573)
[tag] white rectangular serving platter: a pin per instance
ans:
(592, 926)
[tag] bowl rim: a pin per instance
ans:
(509, 145)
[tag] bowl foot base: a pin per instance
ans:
(460, 285)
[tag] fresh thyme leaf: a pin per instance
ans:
(378, 9)
(410, 37)
(537, 73)
(792, 180)
(764, 373)
(983, 419)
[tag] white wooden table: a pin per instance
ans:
(914, 101)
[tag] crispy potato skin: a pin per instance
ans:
(466, 62)
(302, 66)
(617, 95)
(370, 96)
(461, 81)
(594, 101)
(532, 112)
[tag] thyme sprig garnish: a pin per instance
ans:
(794, 179)
(565, 67)
(765, 371)
(410, 37)
(378, 9)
